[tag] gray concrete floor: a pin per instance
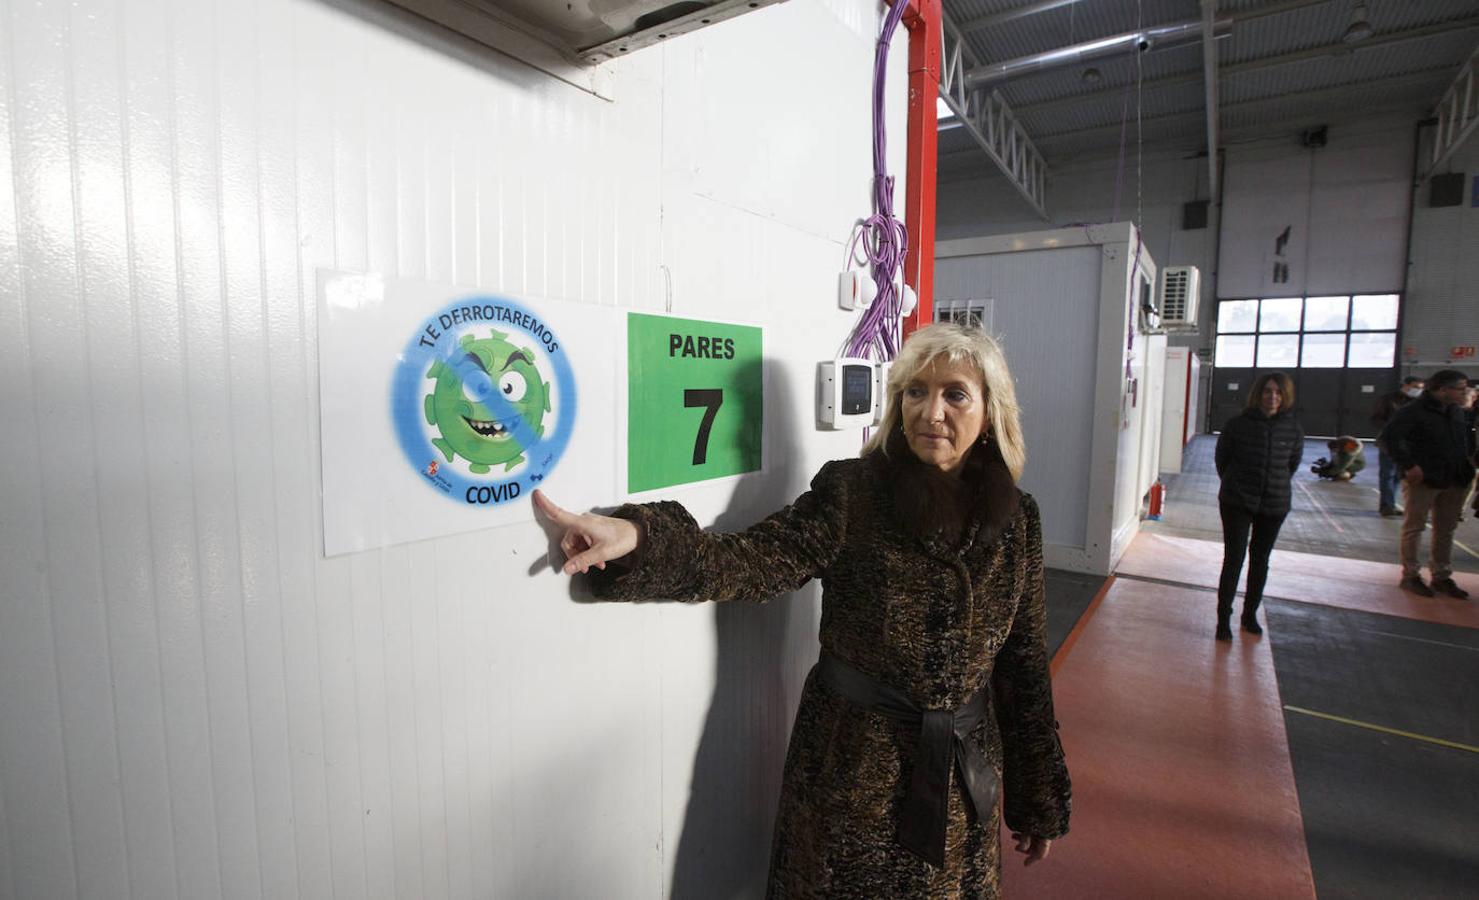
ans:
(1329, 518)
(1388, 810)
(1067, 595)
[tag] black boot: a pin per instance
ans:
(1224, 619)
(1250, 619)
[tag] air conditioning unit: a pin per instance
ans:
(1181, 287)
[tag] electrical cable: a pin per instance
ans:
(1119, 166)
(883, 237)
(1139, 135)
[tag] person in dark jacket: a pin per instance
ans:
(1257, 453)
(932, 601)
(1431, 443)
(1386, 471)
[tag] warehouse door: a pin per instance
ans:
(1341, 352)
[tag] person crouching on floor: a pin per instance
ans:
(1347, 457)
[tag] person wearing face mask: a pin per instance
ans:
(1387, 475)
(1432, 444)
(932, 692)
(1257, 454)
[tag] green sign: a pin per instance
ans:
(695, 400)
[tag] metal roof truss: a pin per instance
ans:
(990, 122)
(1458, 113)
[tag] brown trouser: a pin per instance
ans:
(1445, 504)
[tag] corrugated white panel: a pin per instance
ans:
(1440, 311)
(1345, 205)
(193, 702)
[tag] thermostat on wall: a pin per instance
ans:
(846, 393)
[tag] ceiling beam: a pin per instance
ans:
(1273, 9)
(1209, 76)
(1411, 78)
(953, 165)
(986, 117)
(1457, 114)
(1255, 65)
(1154, 37)
(1011, 15)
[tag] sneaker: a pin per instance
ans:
(1389, 511)
(1413, 584)
(1446, 587)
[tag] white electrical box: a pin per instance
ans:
(855, 290)
(1181, 288)
(847, 393)
(880, 389)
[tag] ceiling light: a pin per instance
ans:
(1359, 29)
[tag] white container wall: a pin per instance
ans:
(1065, 305)
(194, 702)
(1179, 411)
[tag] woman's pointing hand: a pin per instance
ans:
(587, 539)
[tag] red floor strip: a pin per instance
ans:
(1180, 763)
(1327, 580)
(1078, 627)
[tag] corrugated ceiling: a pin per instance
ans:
(1416, 48)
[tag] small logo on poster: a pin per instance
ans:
(484, 400)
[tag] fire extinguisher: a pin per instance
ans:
(1157, 497)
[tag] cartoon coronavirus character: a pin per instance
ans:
(462, 407)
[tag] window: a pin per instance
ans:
(1237, 315)
(1326, 313)
(1327, 332)
(1278, 351)
(1323, 351)
(1374, 312)
(1235, 351)
(1373, 350)
(1279, 315)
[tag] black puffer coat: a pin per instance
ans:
(1256, 457)
(1424, 433)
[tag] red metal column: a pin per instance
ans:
(923, 21)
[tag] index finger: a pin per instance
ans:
(551, 509)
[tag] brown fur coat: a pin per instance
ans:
(934, 617)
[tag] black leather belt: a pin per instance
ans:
(943, 741)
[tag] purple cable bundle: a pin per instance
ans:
(885, 239)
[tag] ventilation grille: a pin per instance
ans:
(968, 313)
(1180, 289)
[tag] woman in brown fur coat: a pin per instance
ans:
(932, 692)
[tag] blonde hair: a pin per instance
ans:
(958, 344)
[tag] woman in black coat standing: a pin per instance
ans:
(1257, 454)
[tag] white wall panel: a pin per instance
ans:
(1030, 290)
(1345, 205)
(1441, 312)
(194, 703)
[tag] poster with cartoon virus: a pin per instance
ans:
(443, 408)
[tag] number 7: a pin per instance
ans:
(711, 399)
